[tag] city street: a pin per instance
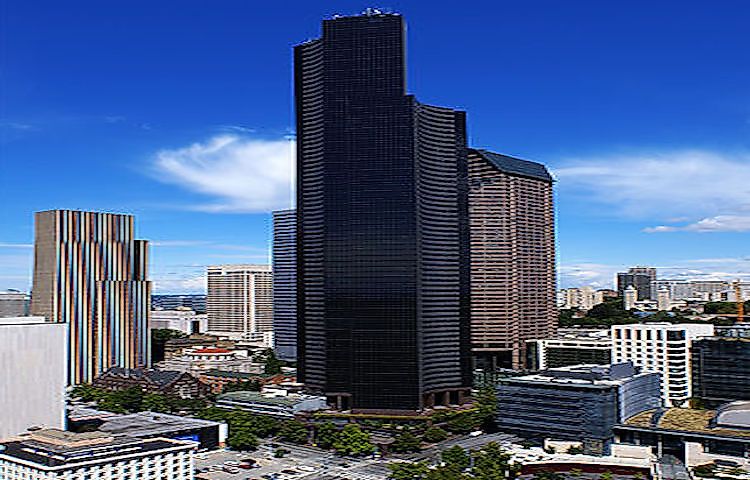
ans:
(311, 463)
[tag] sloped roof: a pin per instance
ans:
(515, 166)
(163, 378)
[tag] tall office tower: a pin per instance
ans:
(663, 348)
(14, 303)
(285, 284)
(240, 299)
(33, 374)
(512, 225)
(638, 277)
(90, 273)
(382, 220)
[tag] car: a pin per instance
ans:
(476, 433)
(230, 469)
(306, 468)
(232, 463)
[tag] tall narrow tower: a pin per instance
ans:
(285, 284)
(382, 222)
(90, 273)
(512, 258)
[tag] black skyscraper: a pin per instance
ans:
(382, 222)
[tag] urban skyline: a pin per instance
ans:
(608, 128)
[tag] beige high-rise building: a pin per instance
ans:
(240, 299)
(91, 273)
(512, 229)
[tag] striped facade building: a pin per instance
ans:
(512, 231)
(90, 273)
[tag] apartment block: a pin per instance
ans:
(663, 348)
(240, 299)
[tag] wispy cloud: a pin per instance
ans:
(704, 191)
(238, 173)
(16, 245)
(719, 223)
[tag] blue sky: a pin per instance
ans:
(180, 112)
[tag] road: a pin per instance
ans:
(326, 465)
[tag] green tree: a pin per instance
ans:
(446, 473)
(293, 431)
(549, 476)
(214, 414)
(88, 393)
(492, 463)
(351, 440)
(129, 398)
(325, 434)
(486, 404)
(606, 476)
(272, 365)
(455, 457)
(463, 422)
(110, 404)
(405, 442)
(407, 470)
(156, 403)
(242, 440)
(434, 435)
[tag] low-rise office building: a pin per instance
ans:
(274, 402)
(580, 403)
(180, 319)
(14, 303)
(663, 348)
(219, 379)
(55, 455)
(721, 370)
(145, 425)
(571, 346)
(166, 382)
(695, 437)
(33, 374)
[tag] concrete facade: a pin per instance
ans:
(663, 348)
(240, 299)
(33, 373)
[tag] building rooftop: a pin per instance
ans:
(56, 448)
(583, 376)
(149, 423)
(204, 351)
(694, 421)
(263, 398)
(581, 334)
(162, 378)
(516, 166)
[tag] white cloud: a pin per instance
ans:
(719, 223)
(604, 276)
(16, 245)
(592, 274)
(710, 190)
(179, 283)
(240, 174)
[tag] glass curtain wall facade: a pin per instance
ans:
(382, 225)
